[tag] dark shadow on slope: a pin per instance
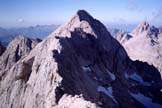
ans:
(149, 74)
(89, 48)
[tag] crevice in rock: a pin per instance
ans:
(2, 49)
(29, 43)
(2, 75)
(17, 56)
(59, 92)
(6, 61)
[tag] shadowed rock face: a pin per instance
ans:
(79, 70)
(78, 65)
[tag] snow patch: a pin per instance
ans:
(136, 77)
(108, 92)
(112, 76)
(161, 90)
(146, 101)
(126, 75)
(86, 68)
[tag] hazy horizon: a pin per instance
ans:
(24, 13)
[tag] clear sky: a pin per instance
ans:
(32, 12)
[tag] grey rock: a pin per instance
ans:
(16, 50)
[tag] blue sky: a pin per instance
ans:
(32, 12)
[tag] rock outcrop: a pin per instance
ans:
(80, 65)
(16, 50)
(145, 45)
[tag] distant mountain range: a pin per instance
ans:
(5, 36)
(39, 31)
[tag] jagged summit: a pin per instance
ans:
(142, 27)
(83, 20)
(84, 15)
(144, 24)
(145, 29)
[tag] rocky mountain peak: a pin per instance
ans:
(18, 48)
(144, 24)
(145, 45)
(83, 20)
(84, 15)
(142, 27)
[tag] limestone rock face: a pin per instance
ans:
(16, 50)
(142, 27)
(145, 45)
(79, 65)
